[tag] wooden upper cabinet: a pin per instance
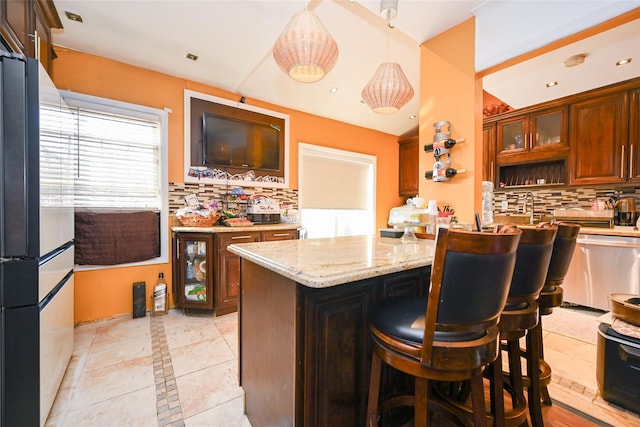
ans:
(45, 17)
(14, 25)
(488, 152)
(409, 149)
(538, 134)
(634, 136)
(25, 27)
(599, 140)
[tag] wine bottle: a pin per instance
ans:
(444, 174)
(159, 297)
(444, 143)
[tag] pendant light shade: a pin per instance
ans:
(388, 90)
(305, 50)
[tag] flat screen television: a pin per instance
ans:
(231, 142)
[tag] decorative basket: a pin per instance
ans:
(199, 220)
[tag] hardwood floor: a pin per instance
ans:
(558, 416)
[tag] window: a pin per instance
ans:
(121, 163)
(336, 191)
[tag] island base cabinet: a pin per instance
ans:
(305, 353)
(267, 325)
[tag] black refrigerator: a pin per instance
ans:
(36, 241)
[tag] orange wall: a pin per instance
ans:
(450, 90)
(106, 293)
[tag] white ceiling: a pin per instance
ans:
(524, 84)
(233, 40)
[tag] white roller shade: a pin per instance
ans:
(334, 179)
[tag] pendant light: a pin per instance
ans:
(389, 89)
(305, 50)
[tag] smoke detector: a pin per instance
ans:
(575, 60)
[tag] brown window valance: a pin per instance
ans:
(116, 237)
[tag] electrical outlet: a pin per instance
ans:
(505, 205)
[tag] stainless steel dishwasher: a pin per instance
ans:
(602, 265)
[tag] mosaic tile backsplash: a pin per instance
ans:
(209, 192)
(547, 200)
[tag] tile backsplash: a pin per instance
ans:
(209, 192)
(549, 199)
(546, 199)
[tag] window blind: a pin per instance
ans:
(57, 156)
(334, 179)
(118, 160)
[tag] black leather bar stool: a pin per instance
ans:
(521, 315)
(450, 335)
(537, 379)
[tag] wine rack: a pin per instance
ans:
(441, 148)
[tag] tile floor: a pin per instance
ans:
(180, 370)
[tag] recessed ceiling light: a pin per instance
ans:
(552, 84)
(192, 57)
(73, 16)
(333, 89)
(623, 61)
(412, 117)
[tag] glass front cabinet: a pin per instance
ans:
(541, 130)
(193, 270)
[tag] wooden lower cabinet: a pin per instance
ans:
(305, 353)
(227, 277)
(220, 280)
(227, 283)
(192, 271)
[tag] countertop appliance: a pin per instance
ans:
(602, 265)
(36, 241)
(263, 210)
(625, 211)
(618, 367)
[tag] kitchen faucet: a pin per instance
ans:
(526, 195)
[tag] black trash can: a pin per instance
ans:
(618, 368)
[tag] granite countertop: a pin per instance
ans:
(321, 263)
(615, 231)
(225, 229)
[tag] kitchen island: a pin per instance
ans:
(303, 323)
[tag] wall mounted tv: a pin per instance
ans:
(234, 142)
(238, 143)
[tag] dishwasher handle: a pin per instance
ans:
(608, 244)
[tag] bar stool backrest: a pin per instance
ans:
(563, 248)
(470, 278)
(532, 263)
